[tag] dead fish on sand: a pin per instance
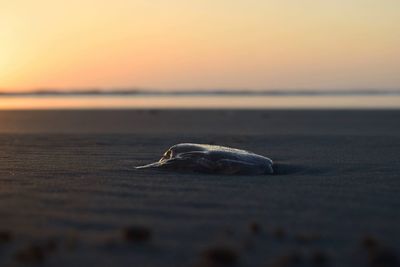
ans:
(212, 159)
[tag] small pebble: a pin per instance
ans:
(319, 258)
(221, 255)
(31, 254)
(137, 233)
(370, 242)
(279, 233)
(5, 237)
(291, 259)
(255, 228)
(50, 245)
(383, 257)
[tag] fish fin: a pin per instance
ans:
(149, 166)
(159, 164)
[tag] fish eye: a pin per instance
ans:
(167, 155)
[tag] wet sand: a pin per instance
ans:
(69, 195)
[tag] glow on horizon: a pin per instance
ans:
(199, 44)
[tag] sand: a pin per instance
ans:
(69, 195)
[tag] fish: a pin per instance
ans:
(213, 159)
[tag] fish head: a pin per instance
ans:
(177, 151)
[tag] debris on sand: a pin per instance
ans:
(137, 233)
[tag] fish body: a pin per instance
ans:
(212, 159)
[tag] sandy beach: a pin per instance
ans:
(70, 196)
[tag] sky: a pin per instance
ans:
(199, 44)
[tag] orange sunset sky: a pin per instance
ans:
(162, 44)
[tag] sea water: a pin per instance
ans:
(200, 102)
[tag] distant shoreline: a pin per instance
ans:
(142, 92)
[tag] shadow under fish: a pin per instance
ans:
(212, 159)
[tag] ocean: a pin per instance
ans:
(199, 101)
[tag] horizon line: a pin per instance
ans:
(198, 92)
